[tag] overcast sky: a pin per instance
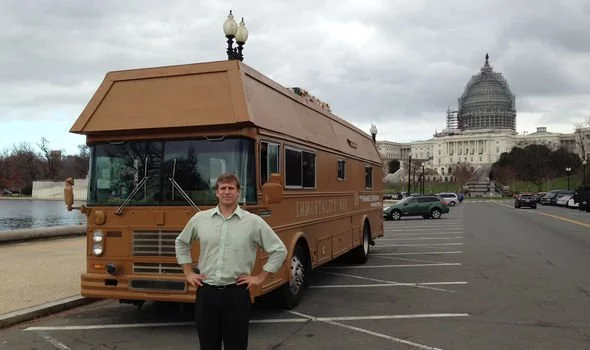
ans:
(396, 63)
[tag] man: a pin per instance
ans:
(228, 238)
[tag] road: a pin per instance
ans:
(485, 276)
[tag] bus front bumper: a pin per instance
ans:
(137, 287)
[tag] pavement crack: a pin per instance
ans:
(297, 330)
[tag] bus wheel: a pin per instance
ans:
(293, 290)
(360, 254)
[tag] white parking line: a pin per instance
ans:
(374, 285)
(303, 318)
(417, 245)
(384, 266)
(418, 238)
(418, 253)
(393, 283)
(406, 259)
(423, 228)
(366, 331)
(449, 224)
(56, 343)
(422, 234)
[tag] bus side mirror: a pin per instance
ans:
(272, 191)
(69, 193)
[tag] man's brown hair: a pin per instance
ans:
(225, 178)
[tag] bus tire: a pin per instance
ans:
(293, 290)
(360, 254)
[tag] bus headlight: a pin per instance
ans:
(97, 249)
(97, 236)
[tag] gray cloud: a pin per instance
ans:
(390, 62)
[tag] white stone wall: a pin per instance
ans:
(55, 189)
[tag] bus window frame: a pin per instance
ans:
(279, 158)
(300, 150)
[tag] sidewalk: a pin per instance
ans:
(37, 272)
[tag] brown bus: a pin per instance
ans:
(160, 137)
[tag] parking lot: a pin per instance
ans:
(473, 279)
(412, 272)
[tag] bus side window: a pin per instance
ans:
(269, 160)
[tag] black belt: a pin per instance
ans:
(223, 286)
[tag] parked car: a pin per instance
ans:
(561, 200)
(525, 200)
(425, 206)
(572, 203)
(551, 197)
(582, 198)
(449, 198)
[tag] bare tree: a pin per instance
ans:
(582, 137)
(27, 165)
(462, 172)
(53, 159)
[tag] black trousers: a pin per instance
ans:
(222, 316)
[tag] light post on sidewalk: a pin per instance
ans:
(568, 172)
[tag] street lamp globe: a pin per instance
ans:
(230, 26)
(242, 33)
(373, 131)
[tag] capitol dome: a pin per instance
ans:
(487, 102)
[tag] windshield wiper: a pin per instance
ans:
(184, 195)
(131, 195)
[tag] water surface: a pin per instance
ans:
(32, 213)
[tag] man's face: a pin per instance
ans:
(227, 193)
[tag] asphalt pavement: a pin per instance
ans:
(485, 276)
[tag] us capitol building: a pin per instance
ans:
(482, 128)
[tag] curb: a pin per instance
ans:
(30, 313)
(41, 233)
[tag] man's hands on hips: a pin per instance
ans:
(251, 281)
(195, 279)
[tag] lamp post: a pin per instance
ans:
(374, 132)
(584, 163)
(423, 172)
(568, 172)
(240, 33)
(422, 189)
(409, 174)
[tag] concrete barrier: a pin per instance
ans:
(42, 232)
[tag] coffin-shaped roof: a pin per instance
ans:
(215, 94)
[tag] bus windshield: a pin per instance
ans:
(148, 169)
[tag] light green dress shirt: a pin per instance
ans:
(228, 246)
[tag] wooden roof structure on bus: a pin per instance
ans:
(214, 94)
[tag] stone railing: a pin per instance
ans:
(55, 189)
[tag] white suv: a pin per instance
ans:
(450, 199)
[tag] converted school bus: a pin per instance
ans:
(160, 137)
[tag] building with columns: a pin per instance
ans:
(478, 132)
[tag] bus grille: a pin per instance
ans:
(154, 243)
(157, 268)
